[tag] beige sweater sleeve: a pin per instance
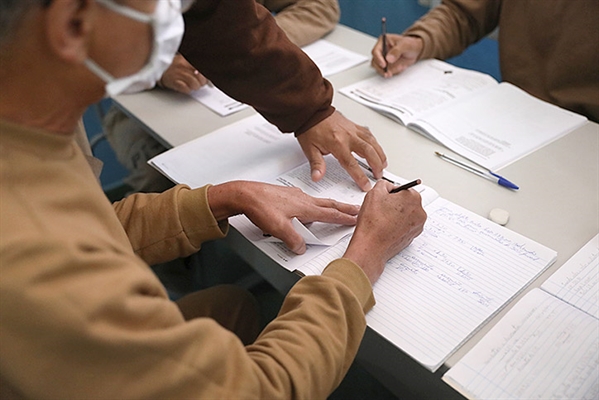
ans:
(169, 225)
(448, 29)
(305, 21)
(100, 323)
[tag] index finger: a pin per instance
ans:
(367, 147)
(350, 164)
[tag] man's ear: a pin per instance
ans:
(68, 27)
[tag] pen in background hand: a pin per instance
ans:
(406, 186)
(384, 38)
(488, 174)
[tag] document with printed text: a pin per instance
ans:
(433, 296)
(492, 124)
(546, 346)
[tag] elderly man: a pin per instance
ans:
(82, 314)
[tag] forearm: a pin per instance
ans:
(450, 28)
(169, 225)
(239, 47)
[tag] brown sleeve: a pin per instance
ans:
(239, 47)
(447, 30)
(305, 21)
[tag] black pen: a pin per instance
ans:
(406, 186)
(384, 37)
(366, 167)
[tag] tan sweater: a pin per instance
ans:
(83, 316)
(550, 48)
(304, 21)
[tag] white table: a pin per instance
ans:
(557, 204)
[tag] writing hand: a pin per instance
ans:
(402, 52)
(182, 77)
(272, 208)
(387, 224)
(340, 137)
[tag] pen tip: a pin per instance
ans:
(383, 19)
(439, 154)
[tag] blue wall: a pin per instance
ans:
(365, 16)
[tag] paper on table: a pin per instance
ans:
(441, 289)
(317, 234)
(332, 59)
(577, 281)
(543, 348)
(216, 100)
(328, 57)
(492, 124)
(336, 184)
(499, 127)
(236, 151)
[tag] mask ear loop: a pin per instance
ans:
(99, 71)
(127, 12)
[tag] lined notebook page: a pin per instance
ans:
(543, 349)
(577, 281)
(457, 274)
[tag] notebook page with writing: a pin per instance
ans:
(455, 276)
(543, 348)
(577, 281)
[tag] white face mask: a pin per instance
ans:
(168, 27)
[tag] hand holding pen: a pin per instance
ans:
(394, 53)
(384, 39)
(396, 189)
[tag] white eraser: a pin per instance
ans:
(499, 216)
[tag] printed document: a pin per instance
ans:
(491, 124)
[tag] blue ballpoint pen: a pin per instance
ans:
(487, 174)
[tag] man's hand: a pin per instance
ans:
(182, 77)
(402, 52)
(387, 224)
(271, 208)
(339, 136)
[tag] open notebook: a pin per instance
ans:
(490, 123)
(546, 346)
(432, 296)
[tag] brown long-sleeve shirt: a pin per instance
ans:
(238, 45)
(549, 48)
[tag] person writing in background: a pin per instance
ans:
(82, 314)
(303, 21)
(549, 49)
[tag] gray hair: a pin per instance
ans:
(11, 14)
